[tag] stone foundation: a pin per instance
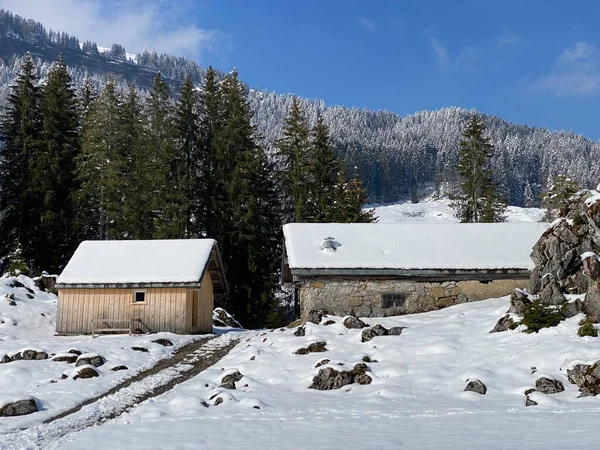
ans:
(365, 298)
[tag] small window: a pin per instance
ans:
(394, 300)
(139, 297)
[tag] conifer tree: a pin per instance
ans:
(348, 200)
(20, 131)
(249, 238)
(323, 167)
(162, 185)
(211, 183)
(478, 200)
(556, 199)
(189, 160)
(86, 95)
(292, 151)
(52, 170)
(100, 167)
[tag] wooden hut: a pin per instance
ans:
(140, 286)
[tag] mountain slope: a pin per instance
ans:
(396, 157)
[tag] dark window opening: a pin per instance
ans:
(140, 297)
(395, 300)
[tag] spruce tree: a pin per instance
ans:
(20, 131)
(249, 238)
(52, 170)
(478, 200)
(292, 152)
(189, 158)
(100, 167)
(322, 170)
(163, 186)
(556, 198)
(349, 196)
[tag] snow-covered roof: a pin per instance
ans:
(139, 262)
(412, 246)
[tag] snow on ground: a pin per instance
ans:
(439, 211)
(29, 324)
(416, 399)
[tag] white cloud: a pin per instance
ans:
(576, 72)
(158, 25)
(367, 24)
(507, 38)
(443, 58)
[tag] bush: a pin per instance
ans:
(537, 316)
(586, 328)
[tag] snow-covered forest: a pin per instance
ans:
(395, 157)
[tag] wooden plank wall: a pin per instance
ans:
(206, 305)
(163, 310)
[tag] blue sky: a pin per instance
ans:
(532, 62)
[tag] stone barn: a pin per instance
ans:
(390, 269)
(140, 286)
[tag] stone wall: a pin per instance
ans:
(364, 298)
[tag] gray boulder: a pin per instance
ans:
(300, 331)
(519, 300)
(86, 372)
(69, 358)
(329, 378)
(396, 331)
(548, 385)
(572, 308)
(476, 386)
(19, 408)
(586, 377)
(92, 360)
(315, 347)
(505, 323)
(316, 315)
(352, 322)
(228, 381)
(550, 293)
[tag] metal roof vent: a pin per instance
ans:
(329, 245)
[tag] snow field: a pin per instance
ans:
(416, 399)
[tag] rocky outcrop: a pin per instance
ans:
(329, 378)
(315, 347)
(380, 330)
(228, 381)
(222, 318)
(25, 355)
(19, 408)
(591, 269)
(559, 249)
(586, 377)
(90, 359)
(519, 300)
(550, 291)
(476, 386)
(316, 315)
(505, 323)
(549, 385)
(352, 322)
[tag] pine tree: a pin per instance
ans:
(556, 199)
(323, 167)
(86, 95)
(292, 152)
(348, 200)
(100, 168)
(163, 185)
(528, 197)
(189, 159)
(211, 183)
(20, 131)
(52, 170)
(250, 238)
(478, 200)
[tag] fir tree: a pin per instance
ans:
(100, 168)
(556, 199)
(20, 131)
(190, 158)
(292, 151)
(323, 168)
(478, 200)
(52, 170)
(250, 236)
(348, 200)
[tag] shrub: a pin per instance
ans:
(537, 316)
(586, 328)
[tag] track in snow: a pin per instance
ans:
(188, 362)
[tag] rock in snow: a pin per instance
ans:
(354, 322)
(329, 378)
(505, 323)
(228, 381)
(14, 406)
(586, 377)
(548, 385)
(476, 386)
